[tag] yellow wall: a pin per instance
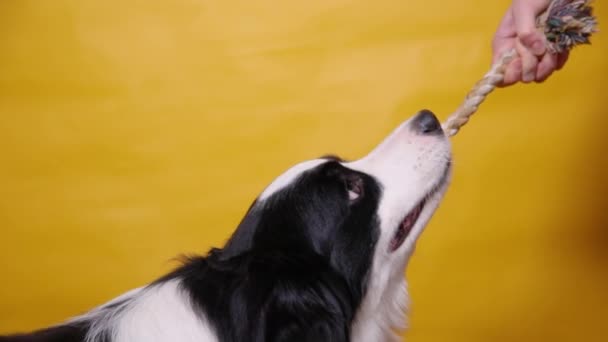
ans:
(132, 131)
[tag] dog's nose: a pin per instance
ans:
(426, 122)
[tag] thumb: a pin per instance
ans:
(525, 13)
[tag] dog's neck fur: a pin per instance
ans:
(382, 321)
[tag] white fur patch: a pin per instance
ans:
(289, 176)
(159, 313)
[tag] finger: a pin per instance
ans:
(562, 58)
(546, 67)
(525, 13)
(503, 38)
(513, 73)
(529, 63)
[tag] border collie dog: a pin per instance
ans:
(319, 256)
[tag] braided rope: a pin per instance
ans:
(478, 94)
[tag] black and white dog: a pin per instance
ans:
(319, 256)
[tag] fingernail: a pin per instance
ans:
(528, 77)
(517, 66)
(538, 48)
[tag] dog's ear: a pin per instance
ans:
(242, 239)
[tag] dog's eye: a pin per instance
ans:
(354, 186)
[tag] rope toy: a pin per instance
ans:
(566, 23)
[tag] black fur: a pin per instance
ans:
(294, 270)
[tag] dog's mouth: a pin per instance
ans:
(412, 217)
(406, 226)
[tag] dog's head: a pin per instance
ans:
(362, 218)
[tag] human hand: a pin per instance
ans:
(518, 30)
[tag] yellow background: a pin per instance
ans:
(133, 131)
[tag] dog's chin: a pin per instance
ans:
(422, 211)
